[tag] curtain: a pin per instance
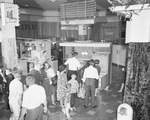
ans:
(47, 29)
(37, 30)
(27, 29)
(137, 86)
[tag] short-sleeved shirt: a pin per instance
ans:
(73, 64)
(90, 72)
(50, 73)
(15, 90)
(74, 85)
(33, 97)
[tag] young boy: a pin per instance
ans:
(74, 89)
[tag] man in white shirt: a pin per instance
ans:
(73, 65)
(15, 95)
(89, 76)
(34, 101)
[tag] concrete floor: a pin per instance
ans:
(106, 110)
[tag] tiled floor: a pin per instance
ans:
(107, 107)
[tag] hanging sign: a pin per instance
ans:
(109, 33)
(9, 14)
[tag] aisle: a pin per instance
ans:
(110, 100)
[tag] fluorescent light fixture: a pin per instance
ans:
(26, 5)
(52, 0)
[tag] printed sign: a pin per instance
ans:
(9, 14)
(109, 33)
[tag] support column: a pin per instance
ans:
(8, 41)
(82, 32)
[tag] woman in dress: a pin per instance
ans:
(61, 84)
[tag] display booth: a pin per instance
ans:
(88, 50)
(31, 50)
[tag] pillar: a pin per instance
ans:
(82, 32)
(8, 41)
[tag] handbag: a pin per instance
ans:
(54, 80)
(81, 92)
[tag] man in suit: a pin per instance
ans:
(35, 73)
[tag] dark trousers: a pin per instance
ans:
(35, 114)
(46, 86)
(90, 90)
(73, 99)
(69, 73)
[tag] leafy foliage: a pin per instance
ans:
(137, 88)
(127, 3)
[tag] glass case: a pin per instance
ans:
(33, 50)
(26, 50)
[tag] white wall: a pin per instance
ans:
(119, 54)
(138, 29)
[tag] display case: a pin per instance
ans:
(92, 50)
(29, 49)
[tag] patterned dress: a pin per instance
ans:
(61, 84)
(67, 96)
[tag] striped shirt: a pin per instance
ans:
(74, 85)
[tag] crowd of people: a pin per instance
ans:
(28, 100)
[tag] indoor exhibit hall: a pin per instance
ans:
(74, 60)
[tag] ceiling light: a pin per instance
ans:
(26, 5)
(52, 0)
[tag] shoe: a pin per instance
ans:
(53, 103)
(69, 118)
(71, 109)
(63, 110)
(94, 106)
(74, 108)
(119, 91)
(85, 106)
